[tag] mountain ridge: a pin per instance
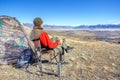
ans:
(98, 26)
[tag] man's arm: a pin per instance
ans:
(47, 42)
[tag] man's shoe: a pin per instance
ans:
(69, 49)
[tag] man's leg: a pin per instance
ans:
(60, 50)
(63, 45)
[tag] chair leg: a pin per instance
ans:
(51, 62)
(59, 67)
(39, 61)
(59, 63)
(54, 57)
(51, 58)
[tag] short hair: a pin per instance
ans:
(37, 21)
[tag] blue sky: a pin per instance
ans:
(63, 12)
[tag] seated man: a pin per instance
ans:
(56, 44)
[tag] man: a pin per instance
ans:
(58, 45)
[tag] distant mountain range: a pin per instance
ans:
(100, 26)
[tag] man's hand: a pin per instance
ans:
(61, 41)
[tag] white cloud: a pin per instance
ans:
(116, 22)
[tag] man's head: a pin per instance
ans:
(38, 22)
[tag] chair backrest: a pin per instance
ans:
(37, 44)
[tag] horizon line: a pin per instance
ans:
(78, 25)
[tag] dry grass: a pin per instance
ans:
(95, 61)
(90, 60)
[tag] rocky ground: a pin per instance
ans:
(90, 60)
